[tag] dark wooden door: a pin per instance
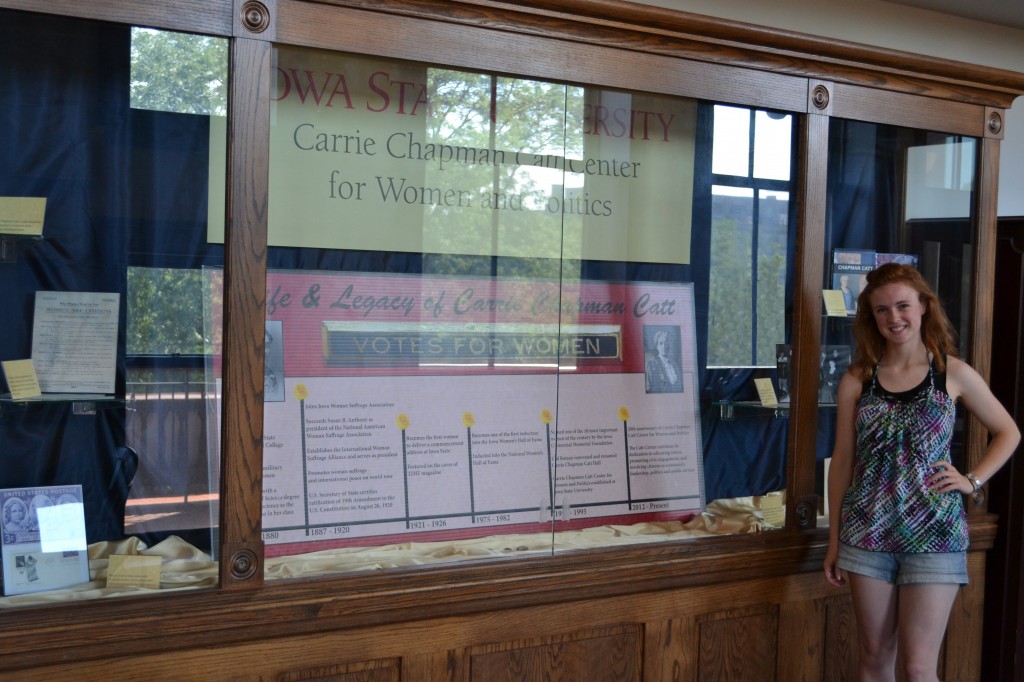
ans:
(1003, 644)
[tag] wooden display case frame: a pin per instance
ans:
(668, 611)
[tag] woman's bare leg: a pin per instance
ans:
(874, 603)
(923, 614)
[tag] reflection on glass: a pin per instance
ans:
(730, 290)
(173, 332)
(940, 179)
(773, 138)
(731, 153)
(178, 72)
(772, 244)
(749, 298)
(749, 256)
(163, 319)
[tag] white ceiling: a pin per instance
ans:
(1002, 12)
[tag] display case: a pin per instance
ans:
(418, 335)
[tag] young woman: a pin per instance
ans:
(899, 530)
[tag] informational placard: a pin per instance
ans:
(21, 379)
(43, 538)
(74, 341)
(766, 392)
(431, 405)
(835, 306)
(134, 570)
(22, 215)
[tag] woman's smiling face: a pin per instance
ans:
(898, 310)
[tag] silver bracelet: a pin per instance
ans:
(978, 494)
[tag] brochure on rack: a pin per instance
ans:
(850, 268)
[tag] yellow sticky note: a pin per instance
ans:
(133, 570)
(22, 215)
(21, 379)
(835, 304)
(766, 392)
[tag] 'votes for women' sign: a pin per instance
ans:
(417, 405)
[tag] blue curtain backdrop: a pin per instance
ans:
(67, 133)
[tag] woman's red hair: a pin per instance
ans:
(936, 330)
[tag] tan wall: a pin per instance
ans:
(898, 27)
(874, 22)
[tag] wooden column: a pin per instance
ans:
(241, 557)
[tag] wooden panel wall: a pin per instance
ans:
(786, 629)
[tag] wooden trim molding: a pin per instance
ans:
(643, 28)
(245, 286)
(187, 620)
(471, 45)
(611, 24)
(608, 24)
(986, 210)
(806, 330)
(213, 17)
(903, 109)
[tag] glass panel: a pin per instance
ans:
(750, 242)
(746, 383)
(628, 448)
(110, 298)
(487, 317)
(898, 194)
(418, 319)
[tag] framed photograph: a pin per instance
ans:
(273, 362)
(905, 258)
(783, 370)
(662, 361)
(849, 269)
(834, 362)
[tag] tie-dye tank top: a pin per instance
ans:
(888, 506)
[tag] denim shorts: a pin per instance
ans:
(905, 568)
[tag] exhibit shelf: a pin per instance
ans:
(733, 409)
(81, 403)
(9, 244)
